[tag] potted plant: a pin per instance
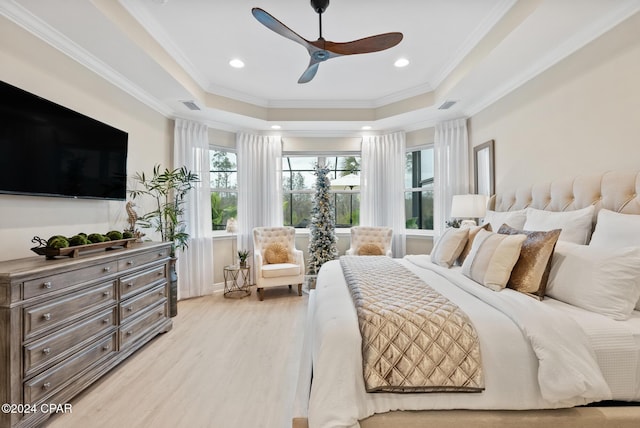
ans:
(168, 188)
(242, 255)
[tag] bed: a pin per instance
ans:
(570, 359)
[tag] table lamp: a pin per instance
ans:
(468, 208)
(232, 228)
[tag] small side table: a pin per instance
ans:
(236, 281)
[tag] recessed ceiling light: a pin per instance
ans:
(276, 126)
(402, 62)
(366, 128)
(236, 63)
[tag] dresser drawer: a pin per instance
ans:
(42, 317)
(138, 327)
(56, 377)
(36, 287)
(132, 284)
(65, 342)
(131, 307)
(142, 259)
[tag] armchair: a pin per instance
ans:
(277, 261)
(361, 236)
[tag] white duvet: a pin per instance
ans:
(533, 355)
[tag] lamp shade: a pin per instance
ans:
(468, 206)
(232, 225)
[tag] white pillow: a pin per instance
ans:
(615, 230)
(576, 225)
(449, 246)
(604, 281)
(492, 258)
(515, 219)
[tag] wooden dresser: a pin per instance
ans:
(66, 322)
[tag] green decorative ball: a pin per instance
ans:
(95, 238)
(127, 234)
(76, 240)
(114, 235)
(58, 242)
(105, 238)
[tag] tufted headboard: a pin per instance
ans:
(615, 190)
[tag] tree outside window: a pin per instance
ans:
(224, 187)
(419, 189)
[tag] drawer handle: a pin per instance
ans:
(129, 284)
(106, 293)
(107, 269)
(130, 309)
(129, 333)
(160, 254)
(46, 385)
(47, 284)
(105, 321)
(106, 347)
(160, 273)
(130, 262)
(46, 351)
(46, 316)
(161, 293)
(161, 313)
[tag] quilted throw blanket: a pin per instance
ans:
(413, 338)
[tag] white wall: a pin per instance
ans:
(581, 116)
(30, 64)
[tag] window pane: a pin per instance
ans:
(297, 209)
(419, 209)
(223, 206)
(347, 207)
(408, 171)
(223, 170)
(426, 165)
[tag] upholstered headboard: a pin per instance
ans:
(615, 190)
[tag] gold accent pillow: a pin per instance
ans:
(276, 253)
(492, 258)
(473, 231)
(370, 250)
(449, 246)
(531, 272)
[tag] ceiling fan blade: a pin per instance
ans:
(310, 72)
(376, 43)
(278, 27)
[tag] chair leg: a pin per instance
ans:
(299, 289)
(261, 294)
(289, 287)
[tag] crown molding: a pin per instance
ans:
(34, 25)
(571, 45)
(471, 42)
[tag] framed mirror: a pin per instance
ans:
(483, 168)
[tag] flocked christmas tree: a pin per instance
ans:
(322, 243)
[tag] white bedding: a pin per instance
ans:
(568, 358)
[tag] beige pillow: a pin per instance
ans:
(369, 250)
(531, 272)
(276, 253)
(449, 246)
(473, 231)
(492, 258)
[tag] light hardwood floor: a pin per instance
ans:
(226, 363)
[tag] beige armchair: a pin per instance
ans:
(363, 236)
(277, 261)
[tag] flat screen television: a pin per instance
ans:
(49, 150)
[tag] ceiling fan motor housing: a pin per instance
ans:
(319, 5)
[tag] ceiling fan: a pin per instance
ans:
(321, 49)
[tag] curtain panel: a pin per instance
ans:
(195, 264)
(451, 169)
(259, 185)
(382, 193)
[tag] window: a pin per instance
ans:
(224, 187)
(298, 181)
(418, 195)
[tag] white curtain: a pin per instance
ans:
(382, 193)
(259, 185)
(451, 169)
(195, 264)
